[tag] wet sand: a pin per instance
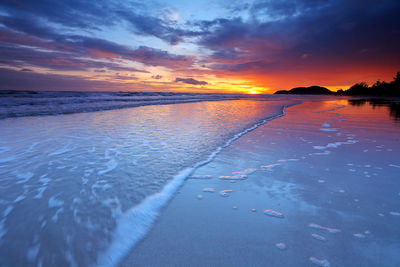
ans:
(317, 187)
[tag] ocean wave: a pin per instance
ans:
(32, 103)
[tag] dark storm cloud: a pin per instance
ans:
(190, 81)
(283, 32)
(17, 80)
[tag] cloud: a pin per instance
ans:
(281, 34)
(190, 81)
(157, 77)
(27, 44)
(91, 16)
(17, 80)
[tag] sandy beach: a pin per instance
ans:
(330, 168)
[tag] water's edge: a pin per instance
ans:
(135, 223)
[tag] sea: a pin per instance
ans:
(83, 176)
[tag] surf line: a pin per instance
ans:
(135, 223)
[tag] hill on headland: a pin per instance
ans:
(312, 90)
(380, 88)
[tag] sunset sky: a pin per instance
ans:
(199, 46)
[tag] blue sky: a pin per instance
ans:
(199, 46)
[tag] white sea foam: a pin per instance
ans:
(328, 129)
(33, 252)
(19, 198)
(359, 235)
(285, 160)
(274, 213)
(3, 230)
(7, 211)
(134, 223)
(110, 165)
(209, 189)
(55, 216)
(326, 152)
(225, 192)
(24, 177)
(61, 151)
(318, 237)
(336, 144)
(330, 230)
(270, 166)
(394, 165)
(320, 262)
(205, 176)
(233, 177)
(281, 246)
(54, 202)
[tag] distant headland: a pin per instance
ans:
(380, 88)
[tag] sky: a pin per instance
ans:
(228, 46)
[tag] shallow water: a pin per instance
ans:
(70, 183)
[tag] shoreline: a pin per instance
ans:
(150, 207)
(214, 228)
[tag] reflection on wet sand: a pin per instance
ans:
(393, 105)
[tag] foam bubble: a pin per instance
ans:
(274, 213)
(54, 202)
(359, 235)
(205, 176)
(55, 216)
(60, 151)
(199, 196)
(286, 160)
(270, 166)
(19, 198)
(281, 246)
(225, 192)
(40, 191)
(32, 252)
(233, 177)
(24, 177)
(7, 211)
(328, 129)
(209, 189)
(395, 213)
(320, 262)
(330, 230)
(110, 165)
(318, 237)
